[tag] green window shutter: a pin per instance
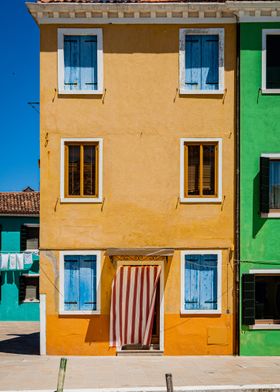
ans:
(264, 184)
(23, 237)
(0, 237)
(248, 299)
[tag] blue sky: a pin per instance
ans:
(19, 67)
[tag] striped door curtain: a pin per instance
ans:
(133, 304)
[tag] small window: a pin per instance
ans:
(271, 60)
(201, 282)
(82, 171)
(201, 60)
(80, 61)
(270, 184)
(201, 170)
(28, 288)
(261, 299)
(80, 282)
(29, 237)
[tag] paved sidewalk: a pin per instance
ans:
(19, 372)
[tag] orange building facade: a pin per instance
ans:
(137, 169)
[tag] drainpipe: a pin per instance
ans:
(237, 185)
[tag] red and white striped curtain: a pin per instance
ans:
(133, 304)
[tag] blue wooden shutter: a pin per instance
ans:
(87, 286)
(210, 62)
(72, 77)
(193, 62)
(71, 282)
(208, 282)
(192, 266)
(89, 62)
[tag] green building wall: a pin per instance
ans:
(10, 307)
(259, 133)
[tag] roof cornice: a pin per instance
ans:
(154, 13)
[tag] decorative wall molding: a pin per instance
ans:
(154, 13)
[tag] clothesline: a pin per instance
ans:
(15, 260)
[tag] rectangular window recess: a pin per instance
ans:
(201, 60)
(80, 61)
(271, 61)
(270, 185)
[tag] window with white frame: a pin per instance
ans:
(271, 60)
(270, 184)
(201, 170)
(201, 281)
(81, 170)
(202, 61)
(80, 61)
(80, 282)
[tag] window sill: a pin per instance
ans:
(30, 301)
(200, 200)
(265, 326)
(79, 313)
(201, 92)
(80, 92)
(270, 215)
(202, 312)
(270, 91)
(81, 200)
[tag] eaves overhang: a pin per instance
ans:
(155, 12)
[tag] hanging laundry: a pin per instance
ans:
(13, 261)
(4, 261)
(20, 264)
(27, 258)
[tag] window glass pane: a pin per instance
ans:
(273, 61)
(267, 304)
(74, 170)
(89, 170)
(274, 184)
(209, 170)
(193, 169)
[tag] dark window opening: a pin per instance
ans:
(32, 238)
(272, 61)
(29, 288)
(267, 298)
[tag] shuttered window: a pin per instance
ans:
(80, 282)
(201, 282)
(269, 184)
(81, 169)
(201, 160)
(202, 62)
(80, 62)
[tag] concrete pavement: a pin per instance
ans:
(19, 371)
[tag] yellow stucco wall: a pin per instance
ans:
(141, 118)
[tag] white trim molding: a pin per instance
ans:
(264, 271)
(219, 280)
(198, 200)
(265, 33)
(43, 338)
(96, 253)
(182, 59)
(60, 60)
(98, 199)
(155, 13)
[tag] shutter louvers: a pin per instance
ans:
(23, 237)
(264, 185)
(248, 299)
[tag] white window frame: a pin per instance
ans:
(182, 58)
(265, 33)
(264, 272)
(98, 199)
(271, 156)
(96, 253)
(60, 57)
(198, 200)
(219, 280)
